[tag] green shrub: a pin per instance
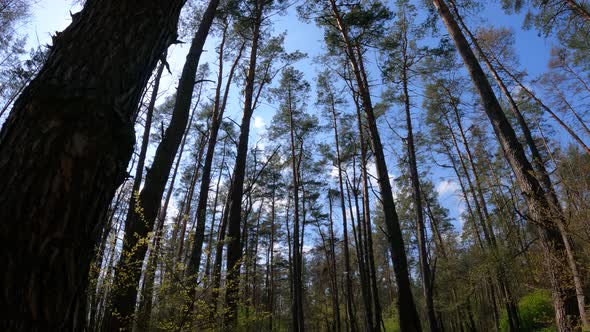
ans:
(391, 324)
(535, 312)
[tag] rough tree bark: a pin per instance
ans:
(64, 151)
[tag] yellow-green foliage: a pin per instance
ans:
(391, 320)
(391, 324)
(536, 313)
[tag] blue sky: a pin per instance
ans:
(49, 16)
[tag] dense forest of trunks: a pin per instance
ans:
(417, 178)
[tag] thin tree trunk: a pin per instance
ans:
(377, 322)
(136, 228)
(215, 290)
(147, 290)
(214, 213)
(409, 319)
(290, 251)
(360, 240)
(270, 260)
(334, 277)
(425, 272)
(465, 192)
(110, 266)
(298, 322)
(164, 209)
(99, 257)
(234, 247)
(186, 212)
(483, 215)
(145, 141)
(572, 110)
(216, 121)
(254, 259)
(325, 245)
(545, 108)
(347, 269)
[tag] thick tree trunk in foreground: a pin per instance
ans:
(64, 150)
(128, 271)
(539, 207)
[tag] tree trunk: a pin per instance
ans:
(148, 287)
(214, 214)
(298, 322)
(234, 247)
(334, 277)
(215, 290)
(136, 228)
(377, 320)
(541, 172)
(409, 319)
(186, 211)
(64, 151)
(216, 120)
(539, 208)
(270, 260)
(546, 108)
(425, 272)
(96, 269)
(347, 269)
(360, 244)
(481, 206)
(145, 141)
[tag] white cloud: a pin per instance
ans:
(259, 122)
(333, 171)
(372, 170)
(447, 187)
